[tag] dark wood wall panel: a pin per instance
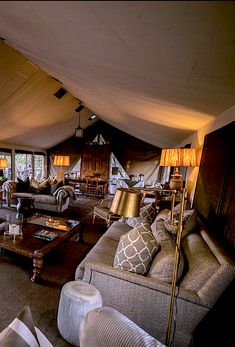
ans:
(215, 189)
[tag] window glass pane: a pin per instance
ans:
(39, 166)
(6, 172)
(23, 165)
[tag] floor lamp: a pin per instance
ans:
(175, 268)
(178, 157)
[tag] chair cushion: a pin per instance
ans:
(147, 214)
(136, 250)
(107, 327)
(102, 211)
(22, 332)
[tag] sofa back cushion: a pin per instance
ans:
(163, 263)
(201, 262)
(55, 186)
(189, 222)
(136, 250)
(22, 186)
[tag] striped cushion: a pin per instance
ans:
(22, 332)
(107, 327)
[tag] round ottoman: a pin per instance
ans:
(76, 299)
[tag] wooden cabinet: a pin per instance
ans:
(95, 160)
(215, 189)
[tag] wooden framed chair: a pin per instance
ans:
(102, 211)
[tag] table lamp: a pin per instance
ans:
(3, 165)
(126, 203)
(178, 157)
(61, 160)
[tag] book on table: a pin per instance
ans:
(45, 235)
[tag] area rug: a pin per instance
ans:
(17, 290)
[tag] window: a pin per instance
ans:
(39, 163)
(6, 154)
(23, 164)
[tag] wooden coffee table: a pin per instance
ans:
(34, 248)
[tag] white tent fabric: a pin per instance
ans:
(158, 70)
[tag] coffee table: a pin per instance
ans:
(34, 248)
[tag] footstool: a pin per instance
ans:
(76, 299)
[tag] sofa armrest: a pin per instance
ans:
(146, 301)
(9, 187)
(91, 268)
(64, 192)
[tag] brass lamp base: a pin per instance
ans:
(176, 181)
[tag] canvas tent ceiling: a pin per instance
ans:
(156, 70)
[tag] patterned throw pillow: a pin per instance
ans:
(22, 332)
(107, 327)
(136, 250)
(147, 213)
(189, 222)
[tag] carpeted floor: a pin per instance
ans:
(16, 288)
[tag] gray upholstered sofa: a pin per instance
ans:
(58, 201)
(208, 271)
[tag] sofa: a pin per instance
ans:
(144, 299)
(55, 199)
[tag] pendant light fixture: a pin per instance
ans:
(79, 130)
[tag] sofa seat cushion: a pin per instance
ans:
(201, 262)
(103, 253)
(22, 195)
(45, 199)
(163, 263)
(136, 250)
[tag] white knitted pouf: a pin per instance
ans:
(76, 299)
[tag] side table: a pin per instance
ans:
(76, 299)
(25, 205)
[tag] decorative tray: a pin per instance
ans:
(53, 222)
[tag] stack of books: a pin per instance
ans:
(45, 235)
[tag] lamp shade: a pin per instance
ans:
(79, 132)
(61, 160)
(126, 203)
(3, 163)
(178, 157)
